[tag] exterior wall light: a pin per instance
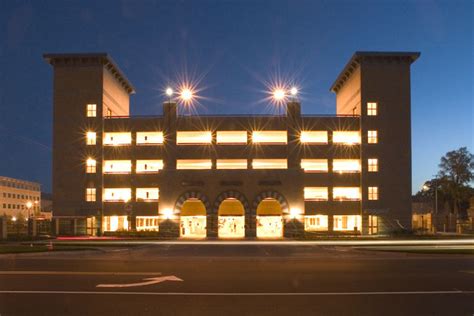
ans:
(167, 213)
(294, 91)
(279, 94)
(295, 213)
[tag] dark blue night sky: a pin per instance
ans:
(234, 47)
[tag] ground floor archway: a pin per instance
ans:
(192, 223)
(269, 219)
(231, 219)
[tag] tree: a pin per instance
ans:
(456, 172)
(457, 166)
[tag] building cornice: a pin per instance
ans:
(359, 56)
(92, 58)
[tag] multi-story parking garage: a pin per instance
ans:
(232, 176)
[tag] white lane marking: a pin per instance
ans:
(148, 281)
(239, 294)
(75, 273)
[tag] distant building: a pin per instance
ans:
(19, 198)
(232, 176)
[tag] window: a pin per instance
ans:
(373, 193)
(346, 165)
(231, 137)
(316, 193)
(91, 165)
(91, 138)
(373, 164)
(346, 137)
(314, 165)
(314, 137)
(269, 164)
(91, 110)
(373, 225)
(347, 222)
(117, 166)
(115, 223)
(147, 223)
(371, 109)
(149, 138)
(149, 166)
(117, 139)
(372, 137)
(346, 193)
(117, 195)
(269, 137)
(194, 138)
(90, 195)
(147, 194)
(193, 164)
(231, 164)
(316, 223)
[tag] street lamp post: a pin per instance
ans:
(28, 207)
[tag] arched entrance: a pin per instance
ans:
(270, 207)
(192, 223)
(231, 219)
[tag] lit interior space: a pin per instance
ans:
(269, 219)
(193, 164)
(193, 219)
(314, 137)
(147, 223)
(147, 194)
(346, 194)
(374, 225)
(149, 138)
(149, 166)
(193, 138)
(117, 194)
(117, 139)
(347, 222)
(269, 137)
(117, 166)
(316, 193)
(346, 165)
(91, 138)
(231, 220)
(115, 223)
(269, 164)
(346, 137)
(316, 223)
(231, 137)
(314, 165)
(231, 164)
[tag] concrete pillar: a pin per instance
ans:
(330, 223)
(74, 227)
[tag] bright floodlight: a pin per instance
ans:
(186, 94)
(278, 94)
(169, 92)
(29, 204)
(294, 91)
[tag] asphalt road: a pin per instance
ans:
(236, 280)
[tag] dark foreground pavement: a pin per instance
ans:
(236, 280)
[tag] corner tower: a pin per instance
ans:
(87, 88)
(376, 86)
